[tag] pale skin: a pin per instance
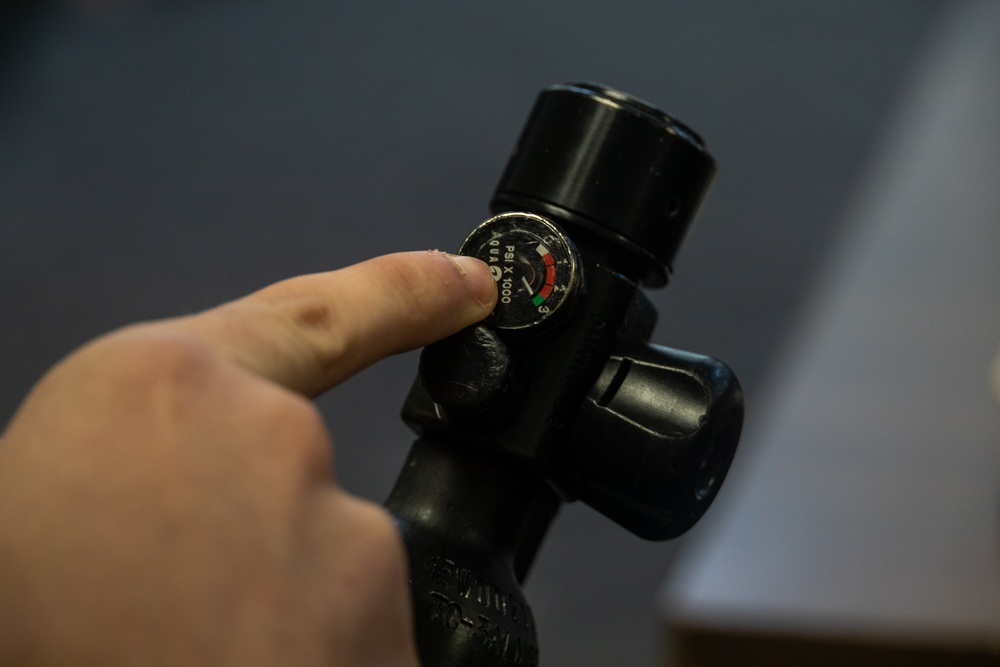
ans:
(168, 494)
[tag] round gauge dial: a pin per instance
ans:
(536, 267)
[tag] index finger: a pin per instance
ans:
(311, 332)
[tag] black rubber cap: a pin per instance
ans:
(470, 372)
(599, 158)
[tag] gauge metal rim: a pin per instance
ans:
(572, 281)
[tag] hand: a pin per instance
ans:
(167, 493)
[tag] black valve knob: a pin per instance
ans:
(613, 165)
(470, 373)
(654, 438)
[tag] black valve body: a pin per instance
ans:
(514, 421)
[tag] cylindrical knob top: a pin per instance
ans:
(599, 158)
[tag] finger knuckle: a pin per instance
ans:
(376, 535)
(303, 439)
(316, 326)
(310, 322)
(148, 358)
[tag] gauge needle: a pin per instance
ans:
(527, 285)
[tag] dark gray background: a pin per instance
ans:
(160, 158)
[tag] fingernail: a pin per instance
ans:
(479, 278)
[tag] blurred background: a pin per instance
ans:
(157, 158)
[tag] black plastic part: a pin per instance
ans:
(613, 164)
(515, 418)
(654, 438)
(471, 527)
(558, 368)
(470, 373)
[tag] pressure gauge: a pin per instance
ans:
(535, 265)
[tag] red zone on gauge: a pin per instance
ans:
(550, 275)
